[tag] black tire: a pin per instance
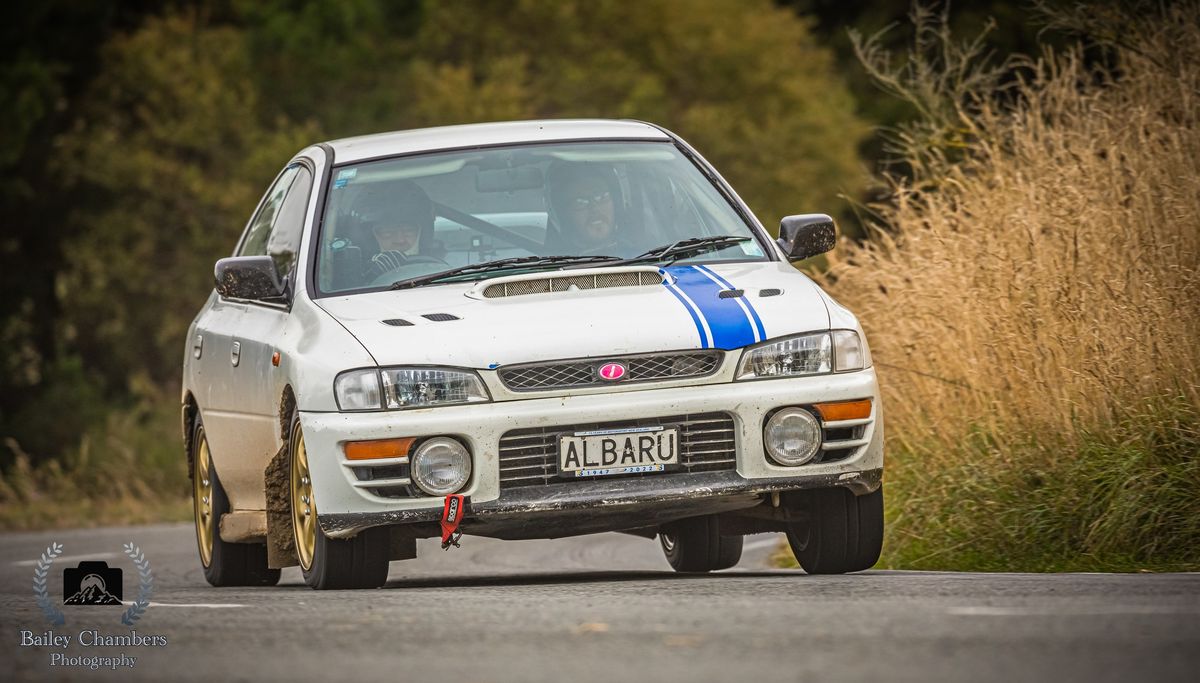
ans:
(844, 532)
(359, 562)
(695, 545)
(230, 564)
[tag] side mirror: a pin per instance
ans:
(806, 235)
(248, 277)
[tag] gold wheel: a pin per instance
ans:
(202, 499)
(304, 508)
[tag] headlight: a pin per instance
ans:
(357, 390)
(420, 387)
(805, 354)
(397, 388)
(809, 354)
(441, 466)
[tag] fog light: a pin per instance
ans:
(441, 466)
(792, 436)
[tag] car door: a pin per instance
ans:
(264, 324)
(231, 425)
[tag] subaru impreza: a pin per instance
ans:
(523, 330)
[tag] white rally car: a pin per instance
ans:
(523, 330)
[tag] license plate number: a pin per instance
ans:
(618, 451)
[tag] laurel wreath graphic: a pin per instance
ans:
(145, 585)
(53, 614)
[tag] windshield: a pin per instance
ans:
(398, 219)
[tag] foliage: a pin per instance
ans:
(742, 81)
(125, 468)
(175, 147)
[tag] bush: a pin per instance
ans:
(1033, 302)
(126, 468)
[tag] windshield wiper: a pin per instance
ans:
(693, 246)
(515, 263)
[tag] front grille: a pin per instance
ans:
(529, 457)
(840, 443)
(583, 372)
(385, 478)
(841, 440)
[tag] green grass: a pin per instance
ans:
(1124, 499)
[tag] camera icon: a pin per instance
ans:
(92, 583)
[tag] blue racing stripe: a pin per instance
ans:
(762, 332)
(731, 327)
(695, 318)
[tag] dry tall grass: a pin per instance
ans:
(1033, 305)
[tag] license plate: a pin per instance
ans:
(618, 451)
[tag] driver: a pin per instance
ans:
(583, 200)
(400, 217)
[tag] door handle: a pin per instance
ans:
(235, 354)
(198, 346)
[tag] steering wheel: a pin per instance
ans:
(423, 259)
(389, 277)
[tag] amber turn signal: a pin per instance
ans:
(375, 450)
(845, 410)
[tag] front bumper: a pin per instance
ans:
(575, 508)
(344, 510)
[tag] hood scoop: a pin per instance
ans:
(567, 281)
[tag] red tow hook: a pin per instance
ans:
(451, 516)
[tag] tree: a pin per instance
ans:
(176, 146)
(745, 82)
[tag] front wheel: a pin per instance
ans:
(329, 563)
(843, 532)
(225, 564)
(696, 545)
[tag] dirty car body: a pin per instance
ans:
(577, 326)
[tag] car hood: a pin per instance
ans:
(480, 325)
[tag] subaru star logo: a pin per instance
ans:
(611, 371)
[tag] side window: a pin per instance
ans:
(255, 243)
(284, 242)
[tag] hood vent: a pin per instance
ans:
(440, 317)
(396, 322)
(770, 292)
(566, 283)
(731, 293)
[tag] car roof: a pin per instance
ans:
(348, 150)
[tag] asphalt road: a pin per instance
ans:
(602, 608)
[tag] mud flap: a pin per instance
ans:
(281, 544)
